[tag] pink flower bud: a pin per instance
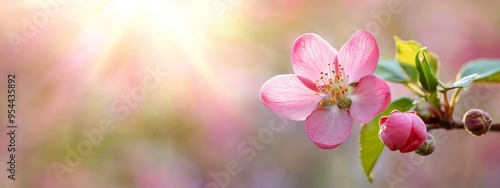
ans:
(402, 131)
(477, 122)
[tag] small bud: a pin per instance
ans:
(477, 122)
(428, 146)
(402, 131)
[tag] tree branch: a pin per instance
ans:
(456, 125)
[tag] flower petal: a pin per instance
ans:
(386, 139)
(289, 97)
(395, 131)
(417, 135)
(311, 55)
(329, 127)
(382, 120)
(371, 96)
(359, 56)
(419, 126)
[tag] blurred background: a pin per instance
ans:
(165, 94)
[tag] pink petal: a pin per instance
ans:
(419, 126)
(311, 55)
(329, 127)
(382, 120)
(359, 56)
(371, 96)
(387, 141)
(413, 143)
(289, 97)
(395, 131)
(417, 136)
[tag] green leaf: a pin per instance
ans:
(487, 70)
(405, 54)
(464, 83)
(391, 71)
(370, 144)
(406, 51)
(433, 61)
(433, 100)
(427, 78)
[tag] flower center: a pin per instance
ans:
(332, 86)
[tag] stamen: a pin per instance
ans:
(333, 88)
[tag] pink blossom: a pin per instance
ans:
(402, 131)
(329, 90)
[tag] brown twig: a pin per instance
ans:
(457, 125)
